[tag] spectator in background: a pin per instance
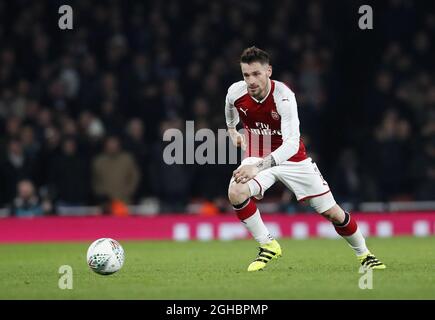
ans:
(89, 85)
(389, 155)
(172, 184)
(14, 166)
(111, 118)
(379, 97)
(30, 145)
(27, 203)
(50, 149)
(44, 120)
(69, 176)
(424, 170)
(135, 143)
(12, 129)
(115, 175)
(91, 127)
(346, 180)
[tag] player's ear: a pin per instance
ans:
(269, 70)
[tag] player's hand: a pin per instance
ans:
(237, 138)
(245, 173)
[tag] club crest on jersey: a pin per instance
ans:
(275, 115)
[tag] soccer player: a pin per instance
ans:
(274, 151)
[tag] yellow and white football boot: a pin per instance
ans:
(369, 261)
(268, 252)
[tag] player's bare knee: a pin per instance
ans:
(328, 215)
(238, 192)
(334, 214)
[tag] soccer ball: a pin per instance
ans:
(105, 256)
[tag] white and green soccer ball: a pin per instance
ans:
(105, 256)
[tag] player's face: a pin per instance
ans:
(256, 76)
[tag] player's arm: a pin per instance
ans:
(232, 119)
(287, 109)
(267, 162)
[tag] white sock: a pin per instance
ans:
(257, 228)
(357, 242)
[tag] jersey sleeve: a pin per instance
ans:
(287, 109)
(231, 113)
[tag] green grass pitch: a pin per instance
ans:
(309, 269)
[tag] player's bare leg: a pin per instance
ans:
(239, 195)
(347, 227)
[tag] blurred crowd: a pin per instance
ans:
(82, 111)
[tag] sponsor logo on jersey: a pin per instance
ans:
(244, 111)
(265, 132)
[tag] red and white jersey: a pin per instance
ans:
(271, 125)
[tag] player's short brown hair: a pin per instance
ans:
(254, 54)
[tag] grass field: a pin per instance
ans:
(309, 269)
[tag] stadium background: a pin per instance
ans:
(82, 111)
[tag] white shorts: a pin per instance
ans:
(303, 178)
